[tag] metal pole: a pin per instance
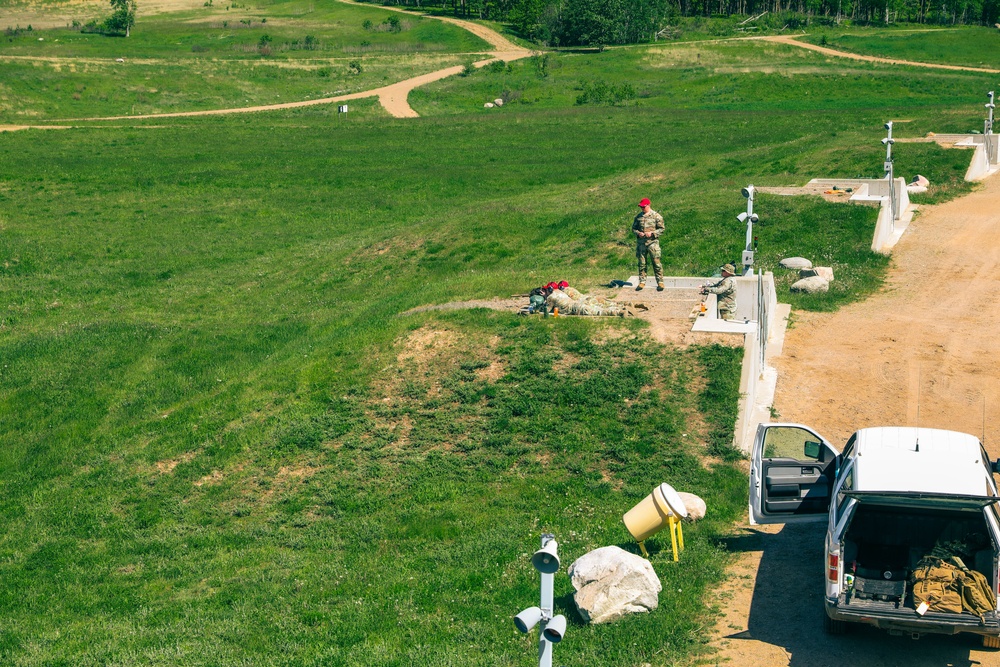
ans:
(889, 141)
(547, 603)
(748, 218)
(988, 130)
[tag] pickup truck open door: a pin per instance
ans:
(792, 471)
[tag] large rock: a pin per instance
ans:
(824, 272)
(813, 285)
(796, 263)
(498, 101)
(695, 506)
(610, 582)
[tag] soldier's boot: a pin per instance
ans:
(659, 285)
(638, 288)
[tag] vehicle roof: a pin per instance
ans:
(888, 459)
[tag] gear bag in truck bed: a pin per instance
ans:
(949, 586)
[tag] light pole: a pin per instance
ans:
(888, 142)
(988, 130)
(749, 217)
(553, 628)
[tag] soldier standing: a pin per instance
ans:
(725, 289)
(647, 227)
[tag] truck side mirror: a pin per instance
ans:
(996, 466)
(812, 450)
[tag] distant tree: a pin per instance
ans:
(526, 15)
(122, 18)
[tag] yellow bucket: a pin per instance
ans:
(650, 515)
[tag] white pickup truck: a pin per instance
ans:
(888, 498)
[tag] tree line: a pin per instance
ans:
(598, 22)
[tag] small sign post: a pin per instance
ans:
(341, 110)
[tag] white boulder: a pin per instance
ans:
(610, 582)
(488, 105)
(695, 506)
(498, 101)
(920, 181)
(796, 263)
(811, 285)
(824, 272)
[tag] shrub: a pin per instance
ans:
(510, 96)
(468, 69)
(198, 48)
(496, 67)
(354, 67)
(600, 92)
(541, 64)
(367, 24)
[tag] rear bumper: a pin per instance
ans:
(883, 615)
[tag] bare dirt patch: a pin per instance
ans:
(426, 343)
(166, 466)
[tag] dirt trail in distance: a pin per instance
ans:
(791, 41)
(925, 351)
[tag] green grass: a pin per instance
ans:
(970, 46)
(223, 443)
(337, 30)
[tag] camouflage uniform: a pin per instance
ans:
(726, 291)
(648, 222)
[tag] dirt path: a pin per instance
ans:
(791, 41)
(925, 351)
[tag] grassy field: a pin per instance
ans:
(971, 46)
(224, 442)
(728, 76)
(215, 58)
(231, 31)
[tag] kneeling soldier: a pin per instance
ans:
(725, 289)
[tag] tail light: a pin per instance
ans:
(833, 568)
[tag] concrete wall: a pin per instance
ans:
(885, 226)
(746, 296)
(750, 381)
(984, 161)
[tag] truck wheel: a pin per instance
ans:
(835, 627)
(989, 641)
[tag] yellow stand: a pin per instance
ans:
(676, 534)
(676, 537)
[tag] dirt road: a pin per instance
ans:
(791, 41)
(924, 351)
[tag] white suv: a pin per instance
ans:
(889, 498)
